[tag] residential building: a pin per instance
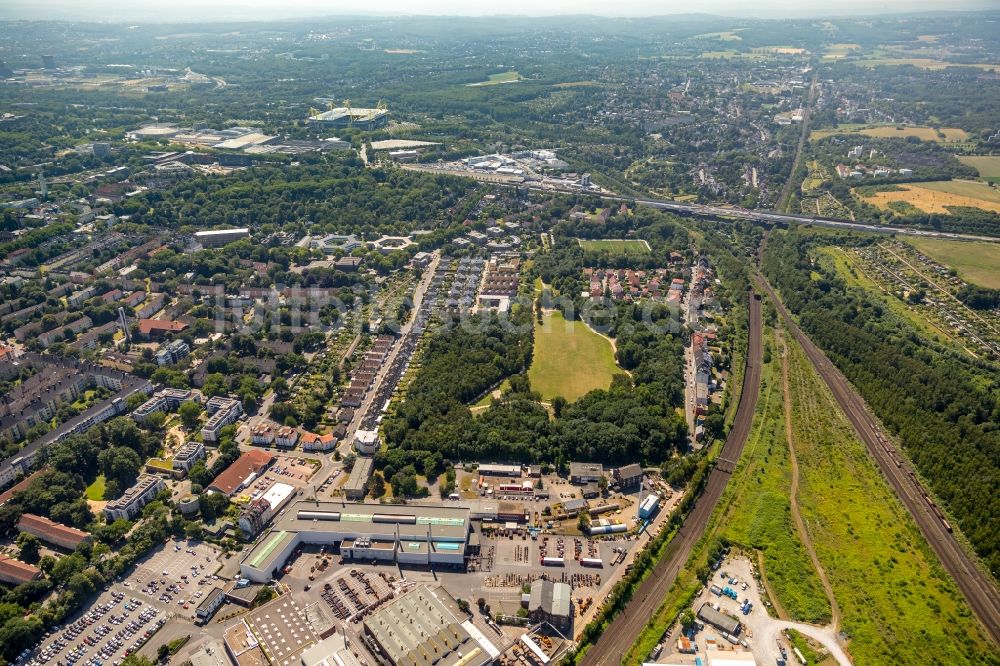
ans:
(220, 237)
(130, 504)
(262, 434)
(52, 532)
(187, 455)
(287, 437)
(318, 443)
(172, 352)
(367, 442)
(17, 572)
(222, 411)
(242, 472)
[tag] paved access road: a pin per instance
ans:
(979, 591)
(627, 625)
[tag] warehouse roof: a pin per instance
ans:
(720, 621)
(424, 627)
(552, 598)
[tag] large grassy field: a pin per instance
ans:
(569, 359)
(497, 79)
(618, 247)
(978, 263)
(937, 196)
(988, 166)
(889, 131)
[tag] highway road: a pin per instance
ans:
(980, 593)
(623, 631)
(713, 210)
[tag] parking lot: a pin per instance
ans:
(115, 626)
(180, 573)
(293, 471)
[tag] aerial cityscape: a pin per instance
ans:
(440, 340)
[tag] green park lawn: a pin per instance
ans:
(570, 360)
(95, 491)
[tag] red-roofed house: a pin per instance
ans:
(159, 327)
(17, 572)
(236, 476)
(52, 532)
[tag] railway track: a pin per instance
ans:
(978, 589)
(624, 630)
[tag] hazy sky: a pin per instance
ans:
(194, 10)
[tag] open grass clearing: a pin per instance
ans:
(569, 360)
(724, 36)
(780, 50)
(758, 508)
(95, 491)
(938, 196)
(978, 263)
(497, 79)
(615, 247)
(950, 134)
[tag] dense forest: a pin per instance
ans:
(943, 407)
(633, 419)
(330, 195)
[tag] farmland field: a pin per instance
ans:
(978, 263)
(569, 359)
(497, 79)
(987, 165)
(617, 247)
(935, 197)
(951, 134)
(837, 51)
(922, 63)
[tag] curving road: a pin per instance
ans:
(979, 591)
(627, 625)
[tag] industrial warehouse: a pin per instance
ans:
(417, 535)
